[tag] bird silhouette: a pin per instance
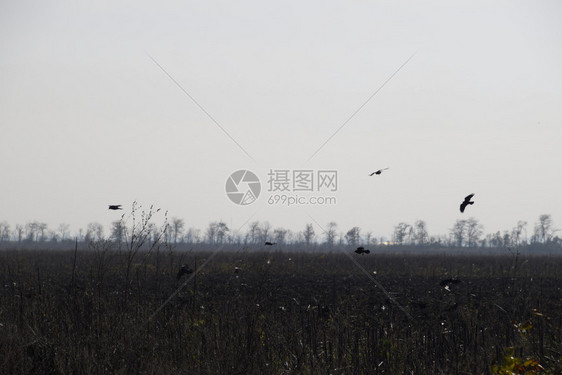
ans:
(184, 270)
(361, 250)
(267, 243)
(115, 207)
(467, 201)
(378, 172)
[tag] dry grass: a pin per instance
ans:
(283, 313)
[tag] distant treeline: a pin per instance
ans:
(141, 231)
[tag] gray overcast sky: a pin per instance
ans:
(87, 119)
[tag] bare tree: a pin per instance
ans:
(31, 231)
(353, 236)
(458, 232)
(280, 235)
(94, 232)
(402, 233)
(308, 234)
(291, 237)
(216, 232)
(254, 233)
(235, 238)
(4, 231)
(368, 238)
(495, 239)
(211, 233)
(331, 234)
(543, 229)
(118, 230)
(63, 231)
(341, 240)
(19, 232)
(507, 240)
(53, 236)
(36, 231)
(222, 230)
(473, 231)
(192, 235)
(420, 233)
(265, 231)
(43, 230)
(518, 231)
(177, 229)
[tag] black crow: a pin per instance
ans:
(115, 207)
(467, 201)
(184, 270)
(361, 250)
(270, 243)
(378, 172)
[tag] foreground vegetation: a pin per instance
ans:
(104, 311)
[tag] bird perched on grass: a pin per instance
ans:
(378, 172)
(184, 270)
(467, 201)
(115, 207)
(267, 243)
(361, 250)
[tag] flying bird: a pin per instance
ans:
(467, 201)
(184, 270)
(361, 250)
(378, 172)
(115, 207)
(267, 243)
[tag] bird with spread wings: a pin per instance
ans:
(377, 172)
(467, 201)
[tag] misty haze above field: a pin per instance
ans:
(93, 112)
